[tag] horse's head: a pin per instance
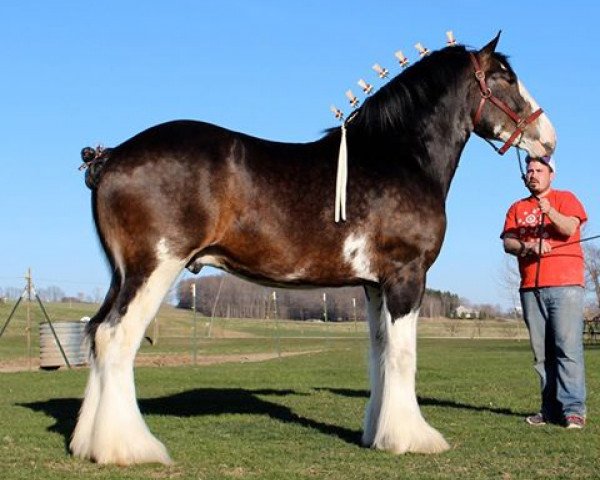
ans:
(504, 110)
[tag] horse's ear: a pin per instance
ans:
(490, 47)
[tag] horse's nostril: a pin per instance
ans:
(549, 146)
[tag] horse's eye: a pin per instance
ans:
(504, 76)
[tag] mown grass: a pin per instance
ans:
(300, 418)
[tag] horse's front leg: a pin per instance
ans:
(393, 420)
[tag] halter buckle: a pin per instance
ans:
(522, 124)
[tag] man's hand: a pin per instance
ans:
(533, 247)
(545, 206)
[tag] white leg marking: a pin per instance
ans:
(393, 420)
(81, 441)
(110, 428)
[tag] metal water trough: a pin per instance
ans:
(70, 335)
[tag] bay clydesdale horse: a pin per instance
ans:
(188, 194)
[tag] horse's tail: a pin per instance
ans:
(93, 163)
(94, 160)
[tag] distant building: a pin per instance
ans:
(465, 312)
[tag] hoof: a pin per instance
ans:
(120, 451)
(424, 439)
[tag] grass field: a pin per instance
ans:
(300, 417)
(173, 332)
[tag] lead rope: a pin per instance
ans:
(536, 288)
(523, 177)
(539, 262)
(541, 227)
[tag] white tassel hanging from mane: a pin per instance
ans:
(342, 179)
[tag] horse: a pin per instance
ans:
(190, 194)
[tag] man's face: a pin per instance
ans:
(539, 177)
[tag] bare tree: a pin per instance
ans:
(51, 293)
(12, 293)
(592, 270)
(228, 296)
(509, 280)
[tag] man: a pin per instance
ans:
(542, 231)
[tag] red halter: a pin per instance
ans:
(486, 94)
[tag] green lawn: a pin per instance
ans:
(300, 417)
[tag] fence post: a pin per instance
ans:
(156, 331)
(194, 336)
(275, 315)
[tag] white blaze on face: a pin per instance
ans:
(535, 145)
(546, 132)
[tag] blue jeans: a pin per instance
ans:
(555, 323)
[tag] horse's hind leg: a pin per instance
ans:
(110, 428)
(393, 419)
(80, 442)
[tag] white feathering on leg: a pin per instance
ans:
(111, 428)
(393, 420)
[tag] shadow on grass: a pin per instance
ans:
(220, 401)
(425, 401)
(199, 402)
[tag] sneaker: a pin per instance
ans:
(536, 420)
(575, 421)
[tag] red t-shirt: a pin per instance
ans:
(562, 266)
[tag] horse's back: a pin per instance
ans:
(177, 141)
(196, 184)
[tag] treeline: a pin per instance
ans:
(230, 297)
(51, 293)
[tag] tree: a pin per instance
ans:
(228, 296)
(51, 293)
(509, 280)
(592, 270)
(12, 293)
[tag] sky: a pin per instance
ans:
(77, 73)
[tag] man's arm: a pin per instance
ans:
(519, 248)
(564, 225)
(513, 245)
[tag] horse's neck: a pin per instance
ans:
(446, 132)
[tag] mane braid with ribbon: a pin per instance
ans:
(390, 114)
(397, 105)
